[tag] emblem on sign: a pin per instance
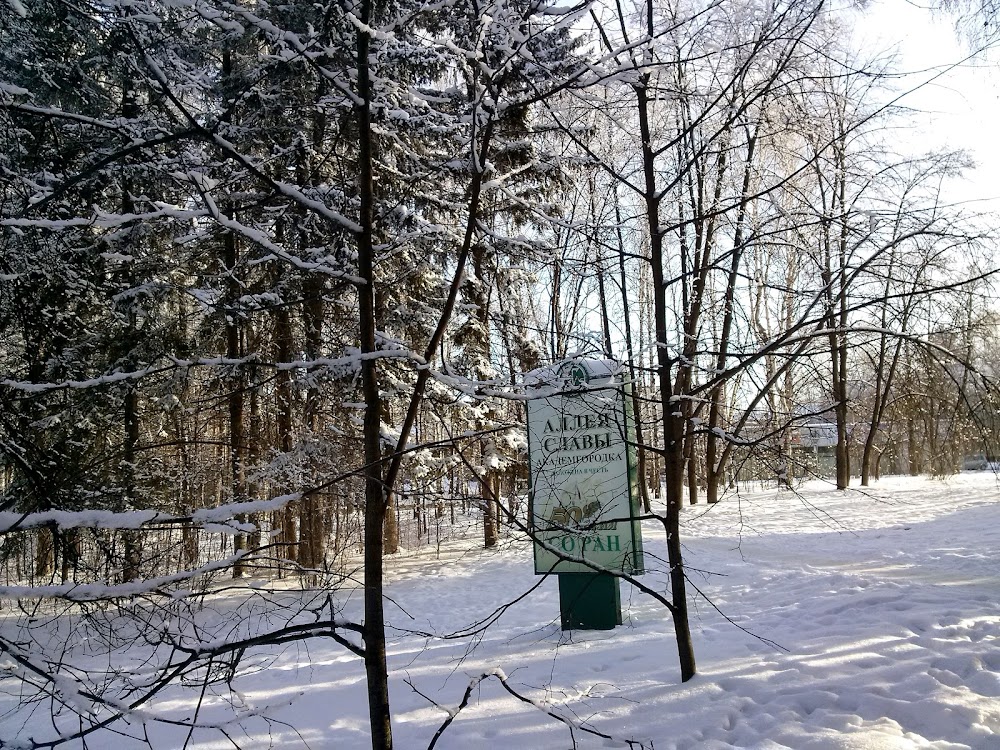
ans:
(574, 375)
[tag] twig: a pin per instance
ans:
(502, 679)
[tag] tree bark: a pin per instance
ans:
(673, 421)
(236, 395)
(715, 465)
(285, 519)
(376, 667)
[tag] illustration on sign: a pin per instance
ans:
(583, 498)
(575, 509)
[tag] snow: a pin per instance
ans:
(18, 8)
(220, 515)
(9, 88)
(876, 612)
(92, 592)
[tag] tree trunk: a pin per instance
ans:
(489, 513)
(44, 553)
(285, 519)
(691, 462)
(838, 335)
(391, 532)
(715, 465)
(673, 424)
(376, 667)
(130, 538)
(912, 452)
(312, 543)
(235, 397)
(230, 258)
(633, 370)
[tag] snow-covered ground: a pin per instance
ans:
(877, 611)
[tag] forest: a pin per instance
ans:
(272, 275)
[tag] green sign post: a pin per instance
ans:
(583, 500)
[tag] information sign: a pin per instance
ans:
(583, 478)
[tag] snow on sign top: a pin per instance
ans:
(574, 373)
(583, 479)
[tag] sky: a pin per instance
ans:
(961, 107)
